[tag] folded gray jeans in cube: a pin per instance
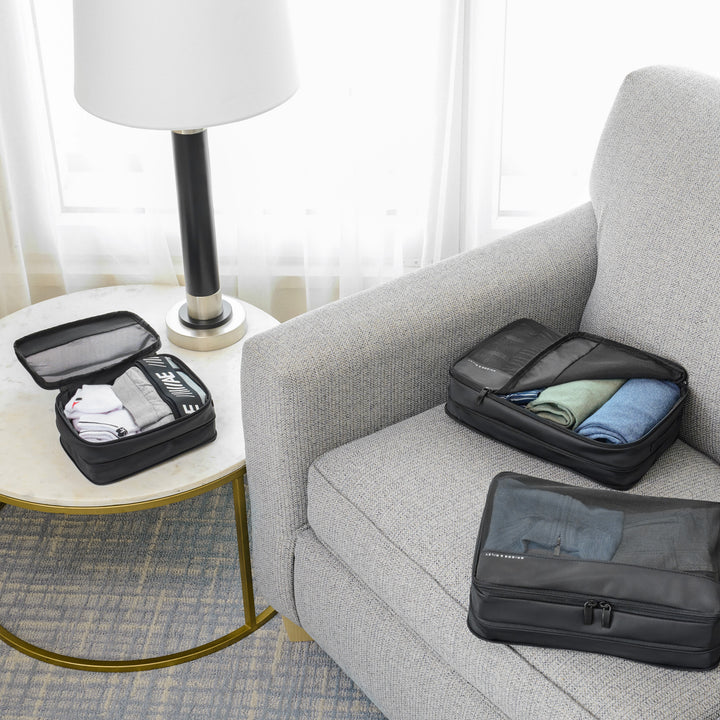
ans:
(140, 398)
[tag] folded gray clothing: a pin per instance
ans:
(684, 539)
(542, 522)
(140, 398)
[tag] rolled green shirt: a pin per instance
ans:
(570, 403)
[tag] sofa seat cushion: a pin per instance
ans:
(402, 507)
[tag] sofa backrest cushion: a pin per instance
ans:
(655, 187)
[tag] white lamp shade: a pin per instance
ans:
(182, 64)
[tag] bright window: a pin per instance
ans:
(564, 62)
(352, 148)
(333, 190)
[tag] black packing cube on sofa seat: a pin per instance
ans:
(597, 570)
(526, 356)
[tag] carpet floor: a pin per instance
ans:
(143, 584)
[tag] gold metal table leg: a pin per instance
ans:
(252, 621)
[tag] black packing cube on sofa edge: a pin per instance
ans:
(99, 350)
(527, 357)
(596, 570)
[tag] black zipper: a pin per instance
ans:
(572, 433)
(124, 435)
(675, 649)
(588, 611)
(589, 605)
(678, 374)
(569, 433)
(544, 353)
(176, 438)
(120, 431)
(178, 422)
(606, 610)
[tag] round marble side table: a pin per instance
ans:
(38, 475)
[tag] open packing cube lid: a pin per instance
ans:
(525, 355)
(97, 348)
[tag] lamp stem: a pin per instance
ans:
(206, 320)
(197, 227)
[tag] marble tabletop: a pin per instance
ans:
(35, 468)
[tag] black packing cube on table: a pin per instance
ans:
(527, 356)
(99, 350)
(600, 571)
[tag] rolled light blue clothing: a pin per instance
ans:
(634, 410)
(523, 397)
(542, 522)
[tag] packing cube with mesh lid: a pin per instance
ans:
(596, 570)
(600, 407)
(162, 408)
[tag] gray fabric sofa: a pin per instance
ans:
(366, 497)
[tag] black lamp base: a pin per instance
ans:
(204, 335)
(222, 318)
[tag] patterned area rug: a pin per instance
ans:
(143, 584)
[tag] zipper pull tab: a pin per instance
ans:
(482, 394)
(588, 610)
(606, 616)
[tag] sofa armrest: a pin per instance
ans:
(367, 361)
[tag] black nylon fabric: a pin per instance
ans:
(97, 350)
(524, 355)
(87, 350)
(654, 596)
(104, 463)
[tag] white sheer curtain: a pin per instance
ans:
(564, 62)
(526, 86)
(29, 263)
(317, 199)
(462, 204)
(422, 128)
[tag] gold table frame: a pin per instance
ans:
(252, 620)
